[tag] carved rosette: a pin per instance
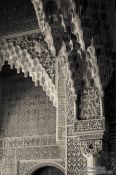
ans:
(22, 60)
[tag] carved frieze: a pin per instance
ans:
(90, 104)
(27, 141)
(89, 125)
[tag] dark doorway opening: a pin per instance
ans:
(48, 170)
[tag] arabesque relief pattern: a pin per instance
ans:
(25, 53)
(69, 56)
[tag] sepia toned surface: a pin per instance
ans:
(57, 87)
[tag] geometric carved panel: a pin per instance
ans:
(76, 162)
(90, 104)
(89, 125)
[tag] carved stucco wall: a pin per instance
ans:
(61, 104)
(83, 134)
(28, 125)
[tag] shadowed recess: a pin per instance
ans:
(48, 171)
(16, 16)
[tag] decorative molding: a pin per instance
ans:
(89, 125)
(95, 136)
(28, 167)
(90, 104)
(70, 130)
(37, 48)
(18, 142)
(21, 59)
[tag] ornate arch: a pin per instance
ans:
(41, 165)
(22, 60)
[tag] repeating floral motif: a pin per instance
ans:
(37, 48)
(90, 104)
(22, 61)
(70, 103)
(91, 146)
(70, 130)
(77, 152)
(61, 95)
(89, 125)
(61, 112)
(41, 47)
(27, 141)
(91, 136)
(76, 162)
